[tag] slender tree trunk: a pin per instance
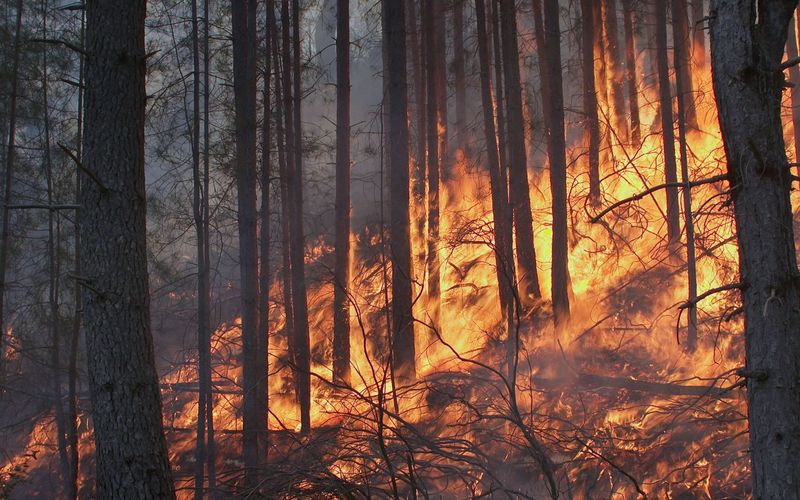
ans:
(745, 50)
(591, 124)
(341, 300)
(8, 178)
(683, 68)
(503, 252)
(544, 79)
(557, 152)
(459, 76)
(440, 58)
(265, 274)
(691, 262)
(286, 166)
(667, 124)
(244, 78)
(302, 343)
(630, 72)
(519, 189)
(121, 363)
(435, 119)
(72, 371)
(615, 59)
(418, 184)
(394, 36)
(499, 86)
(211, 453)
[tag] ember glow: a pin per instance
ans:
(614, 404)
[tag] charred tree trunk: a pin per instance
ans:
(746, 48)
(698, 34)
(459, 76)
(503, 252)
(615, 59)
(630, 72)
(302, 341)
(557, 152)
(667, 124)
(341, 301)
(683, 70)
(394, 36)
(8, 177)
(591, 121)
(418, 183)
(433, 69)
(499, 93)
(244, 84)
(131, 452)
(541, 52)
(519, 190)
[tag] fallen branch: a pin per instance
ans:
(592, 381)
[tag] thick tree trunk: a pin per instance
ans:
(519, 190)
(244, 84)
(341, 300)
(299, 302)
(746, 49)
(667, 124)
(794, 77)
(615, 59)
(630, 72)
(557, 152)
(591, 124)
(459, 76)
(503, 252)
(683, 69)
(402, 341)
(131, 453)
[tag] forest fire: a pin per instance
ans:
(415, 352)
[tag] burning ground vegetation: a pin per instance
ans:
(614, 404)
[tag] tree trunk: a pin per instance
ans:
(435, 119)
(557, 152)
(519, 191)
(794, 77)
(683, 69)
(459, 76)
(402, 340)
(544, 79)
(630, 72)
(131, 452)
(615, 59)
(745, 51)
(302, 342)
(499, 86)
(8, 176)
(503, 252)
(698, 34)
(244, 85)
(591, 124)
(667, 124)
(341, 300)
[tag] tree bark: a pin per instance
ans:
(341, 300)
(615, 59)
(402, 340)
(557, 152)
(591, 124)
(794, 77)
(244, 84)
(698, 34)
(667, 124)
(630, 72)
(459, 76)
(131, 452)
(746, 49)
(519, 189)
(503, 252)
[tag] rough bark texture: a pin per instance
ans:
(131, 452)
(557, 152)
(403, 352)
(794, 77)
(667, 124)
(341, 302)
(519, 190)
(744, 57)
(244, 87)
(591, 124)
(503, 252)
(615, 59)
